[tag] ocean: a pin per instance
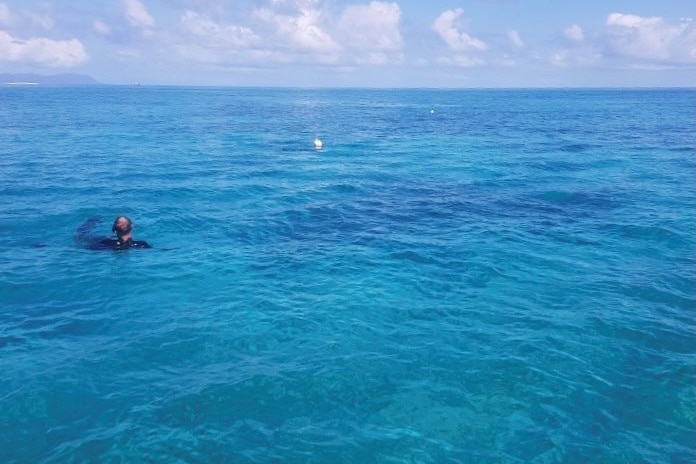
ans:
(458, 276)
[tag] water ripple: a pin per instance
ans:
(510, 280)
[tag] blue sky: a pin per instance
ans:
(355, 43)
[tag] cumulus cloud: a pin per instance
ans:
(218, 34)
(42, 51)
(632, 21)
(373, 27)
(651, 40)
(300, 27)
(576, 51)
(574, 33)
(631, 41)
(226, 46)
(138, 16)
(446, 26)
(292, 31)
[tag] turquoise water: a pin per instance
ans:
(508, 278)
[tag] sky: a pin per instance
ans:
(355, 43)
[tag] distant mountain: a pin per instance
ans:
(46, 80)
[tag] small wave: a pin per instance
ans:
(649, 233)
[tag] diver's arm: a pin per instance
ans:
(86, 229)
(84, 235)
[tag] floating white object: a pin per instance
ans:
(432, 111)
(318, 144)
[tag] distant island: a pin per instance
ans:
(46, 80)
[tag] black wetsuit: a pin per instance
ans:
(84, 236)
(118, 244)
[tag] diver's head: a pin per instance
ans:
(122, 226)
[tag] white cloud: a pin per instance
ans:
(42, 51)
(301, 29)
(447, 28)
(372, 27)
(651, 40)
(100, 27)
(138, 16)
(574, 33)
(515, 39)
(632, 21)
(286, 32)
(631, 41)
(217, 34)
(297, 31)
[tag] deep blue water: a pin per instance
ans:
(508, 278)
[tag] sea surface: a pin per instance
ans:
(458, 276)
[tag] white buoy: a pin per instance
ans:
(318, 144)
(432, 111)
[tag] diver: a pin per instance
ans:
(122, 228)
